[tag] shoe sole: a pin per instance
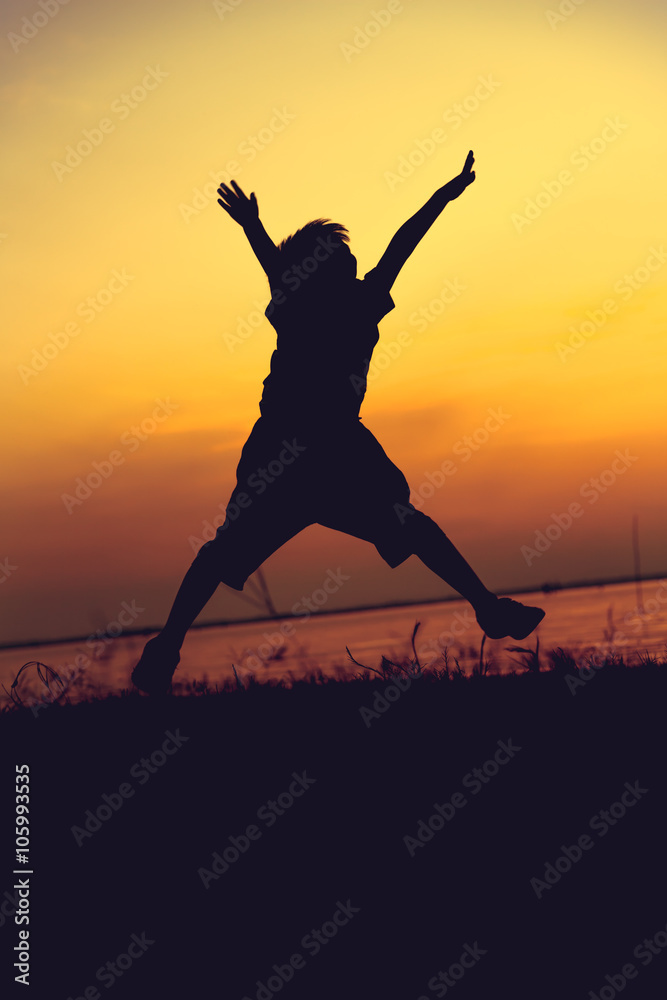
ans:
(519, 635)
(524, 635)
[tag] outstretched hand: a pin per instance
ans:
(458, 185)
(241, 208)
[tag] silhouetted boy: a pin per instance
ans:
(309, 459)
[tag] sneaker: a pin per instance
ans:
(155, 669)
(505, 617)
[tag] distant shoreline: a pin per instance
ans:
(545, 588)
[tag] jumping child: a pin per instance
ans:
(309, 459)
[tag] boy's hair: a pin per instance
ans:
(305, 241)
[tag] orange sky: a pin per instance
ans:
(126, 285)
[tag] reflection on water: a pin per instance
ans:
(611, 618)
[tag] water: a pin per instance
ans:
(584, 620)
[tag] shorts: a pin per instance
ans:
(291, 477)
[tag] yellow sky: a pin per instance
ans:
(125, 284)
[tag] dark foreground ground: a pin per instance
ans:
(133, 906)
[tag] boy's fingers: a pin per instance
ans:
(228, 193)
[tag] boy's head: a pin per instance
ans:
(319, 249)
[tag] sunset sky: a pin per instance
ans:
(132, 302)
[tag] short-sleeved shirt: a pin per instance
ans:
(326, 337)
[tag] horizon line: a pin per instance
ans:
(544, 588)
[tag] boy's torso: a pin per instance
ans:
(325, 343)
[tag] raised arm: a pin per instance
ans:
(412, 231)
(244, 210)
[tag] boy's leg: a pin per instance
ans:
(413, 533)
(161, 654)
(198, 586)
(217, 562)
(441, 556)
(230, 558)
(380, 511)
(262, 520)
(358, 457)
(497, 617)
